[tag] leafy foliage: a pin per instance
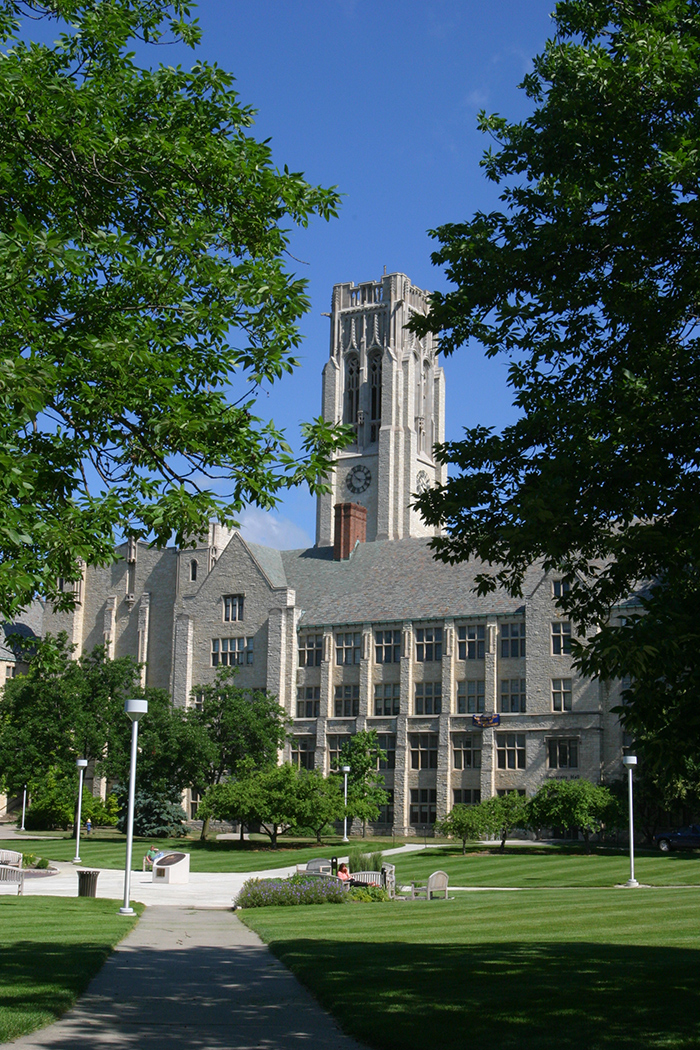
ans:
(144, 295)
(587, 283)
(268, 797)
(365, 784)
(576, 805)
(503, 813)
(53, 803)
(464, 822)
(319, 801)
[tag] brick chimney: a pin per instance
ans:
(350, 526)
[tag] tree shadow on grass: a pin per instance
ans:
(39, 982)
(568, 996)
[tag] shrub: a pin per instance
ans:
(155, 816)
(42, 864)
(368, 894)
(359, 860)
(261, 893)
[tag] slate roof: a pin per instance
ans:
(389, 581)
(270, 561)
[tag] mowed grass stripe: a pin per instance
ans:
(204, 856)
(537, 969)
(525, 866)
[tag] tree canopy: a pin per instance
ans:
(144, 294)
(587, 282)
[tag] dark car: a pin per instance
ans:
(684, 838)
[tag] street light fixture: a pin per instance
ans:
(630, 761)
(345, 770)
(81, 763)
(134, 709)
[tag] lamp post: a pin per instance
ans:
(24, 806)
(81, 763)
(345, 770)
(630, 761)
(134, 709)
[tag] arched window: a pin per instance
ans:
(375, 396)
(352, 390)
(193, 570)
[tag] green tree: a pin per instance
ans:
(320, 800)
(61, 710)
(64, 709)
(268, 797)
(464, 822)
(237, 724)
(365, 783)
(503, 813)
(576, 805)
(144, 296)
(586, 282)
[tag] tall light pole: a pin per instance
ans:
(345, 770)
(81, 763)
(24, 806)
(135, 709)
(630, 761)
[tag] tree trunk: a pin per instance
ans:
(464, 846)
(273, 837)
(504, 836)
(318, 835)
(241, 832)
(205, 829)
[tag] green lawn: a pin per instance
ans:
(526, 866)
(108, 850)
(600, 969)
(50, 948)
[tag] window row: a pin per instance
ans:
(471, 644)
(511, 751)
(428, 698)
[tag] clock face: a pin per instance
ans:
(358, 479)
(422, 481)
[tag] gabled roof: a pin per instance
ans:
(389, 581)
(270, 561)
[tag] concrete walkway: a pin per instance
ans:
(191, 980)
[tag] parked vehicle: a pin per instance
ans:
(684, 838)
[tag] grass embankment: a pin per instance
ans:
(50, 948)
(108, 850)
(599, 969)
(526, 866)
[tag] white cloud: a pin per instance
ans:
(272, 530)
(477, 99)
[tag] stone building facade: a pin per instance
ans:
(470, 695)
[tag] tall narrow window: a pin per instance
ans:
(352, 391)
(193, 571)
(375, 396)
(427, 428)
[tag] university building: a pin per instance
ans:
(469, 695)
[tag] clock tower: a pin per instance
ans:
(386, 384)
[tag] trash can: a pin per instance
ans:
(87, 883)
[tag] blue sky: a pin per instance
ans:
(380, 99)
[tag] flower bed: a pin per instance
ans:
(259, 893)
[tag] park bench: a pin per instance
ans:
(367, 878)
(437, 883)
(318, 866)
(10, 873)
(10, 858)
